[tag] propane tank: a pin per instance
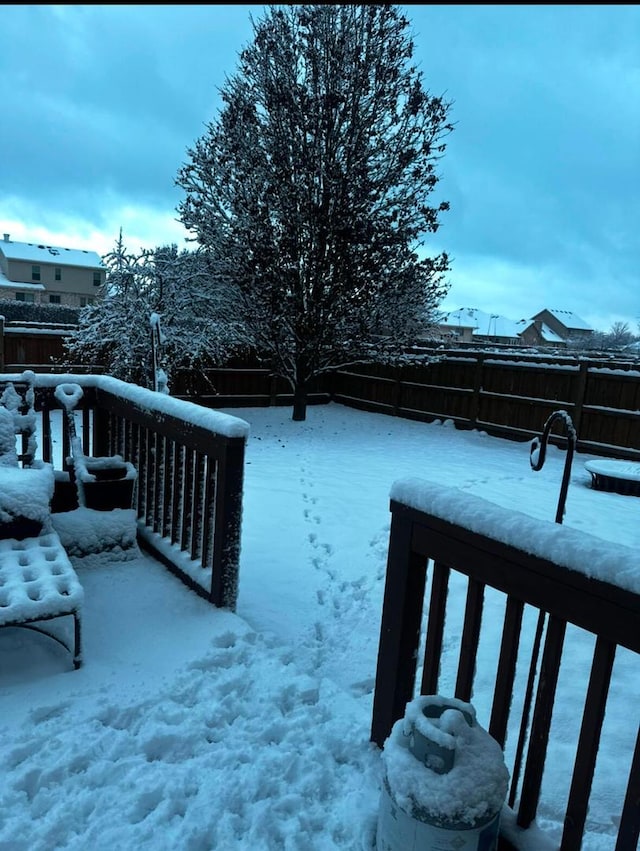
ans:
(445, 780)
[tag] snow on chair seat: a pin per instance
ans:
(38, 583)
(37, 580)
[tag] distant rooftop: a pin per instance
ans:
(568, 319)
(483, 324)
(5, 283)
(38, 253)
(545, 332)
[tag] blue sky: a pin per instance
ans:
(100, 104)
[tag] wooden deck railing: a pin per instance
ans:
(190, 463)
(511, 580)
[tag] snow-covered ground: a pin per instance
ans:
(193, 728)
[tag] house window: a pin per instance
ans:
(58, 273)
(35, 273)
(54, 299)
(97, 280)
(24, 297)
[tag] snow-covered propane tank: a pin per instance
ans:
(445, 780)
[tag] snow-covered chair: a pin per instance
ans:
(37, 580)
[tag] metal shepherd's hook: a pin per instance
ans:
(538, 453)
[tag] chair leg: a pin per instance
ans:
(77, 648)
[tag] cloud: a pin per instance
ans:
(542, 169)
(142, 226)
(518, 291)
(108, 98)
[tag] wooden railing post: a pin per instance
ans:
(228, 518)
(399, 631)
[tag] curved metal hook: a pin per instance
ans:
(538, 453)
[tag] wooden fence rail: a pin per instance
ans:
(505, 393)
(507, 396)
(524, 580)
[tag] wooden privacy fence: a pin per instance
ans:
(190, 464)
(507, 583)
(28, 345)
(241, 386)
(507, 396)
(503, 393)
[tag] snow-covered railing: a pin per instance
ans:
(190, 464)
(513, 567)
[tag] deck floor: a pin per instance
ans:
(140, 626)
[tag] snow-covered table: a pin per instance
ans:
(615, 476)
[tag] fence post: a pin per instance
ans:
(477, 387)
(273, 389)
(1, 343)
(578, 398)
(397, 389)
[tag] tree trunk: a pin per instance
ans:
(299, 402)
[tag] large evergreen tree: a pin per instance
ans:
(310, 193)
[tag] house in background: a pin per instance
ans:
(563, 323)
(469, 325)
(537, 333)
(44, 274)
(553, 328)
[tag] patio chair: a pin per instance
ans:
(37, 580)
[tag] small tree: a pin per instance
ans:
(310, 192)
(619, 335)
(139, 289)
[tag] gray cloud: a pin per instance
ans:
(543, 169)
(107, 97)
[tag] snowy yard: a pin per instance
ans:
(194, 728)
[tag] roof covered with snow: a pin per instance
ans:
(548, 335)
(483, 324)
(38, 253)
(545, 332)
(568, 319)
(5, 283)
